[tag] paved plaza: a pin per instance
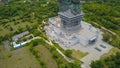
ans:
(94, 54)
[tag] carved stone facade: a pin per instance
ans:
(70, 21)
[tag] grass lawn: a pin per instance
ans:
(77, 54)
(113, 51)
(19, 58)
(46, 57)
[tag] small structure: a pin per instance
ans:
(17, 37)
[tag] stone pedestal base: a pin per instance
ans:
(70, 21)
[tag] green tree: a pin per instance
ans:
(70, 65)
(36, 32)
(68, 53)
(106, 37)
(97, 64)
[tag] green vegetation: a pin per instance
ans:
(68, 53)
(17, 59)
(35, 32)
(37, 54)
(18, 16)
(106, 37)
(61, 62)
(77, 54)
(108, 60)
(102, 13)
(111, 39)
(112, 61)
(16, 26)
(113, 51)
(1, 47)
(58, 46)
(105, 13)
(47, 57)
(97, 64)
(44, 56)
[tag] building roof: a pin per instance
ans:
(16, 37)
(86, 31)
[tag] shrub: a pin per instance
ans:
(68, 53)
(106, 37)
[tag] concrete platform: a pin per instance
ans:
(73, 39)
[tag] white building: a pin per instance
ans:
(85, 35)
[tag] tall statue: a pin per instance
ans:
(72, 5)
